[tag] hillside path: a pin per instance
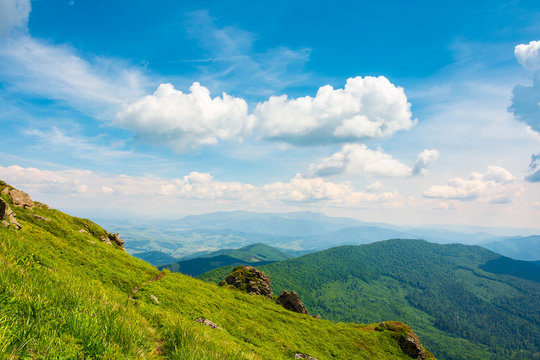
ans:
(138, 287)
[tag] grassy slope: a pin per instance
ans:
(65, 294)
(462, 300)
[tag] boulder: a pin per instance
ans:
(411, 346)
(249, 279)
(407, 339)
(41, 205)
(21, 199)
(303, 356)
(5, 191)
(7, 216)
(42, 218)
(291, 301)
(110, 238)
(208, 323)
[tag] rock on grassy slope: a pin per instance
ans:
(66, 293)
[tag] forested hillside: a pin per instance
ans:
(465, 301)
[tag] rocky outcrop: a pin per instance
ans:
(7, 216)
(21, 199)
(112, 238)
(303, 356)
(407, 339)
(291, 301)
(249, 279)
(208, 323)
(41, 218)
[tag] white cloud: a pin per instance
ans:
(369, 107)
(13, 15)
(425, 158)
(528, 55)
(85, 188)
(186, 121)
(497, 186)
(358, 159)
(526, 99)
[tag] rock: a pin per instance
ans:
(317, 317)
(290, 301)
(249, 279)
(116, 239)
(303, 356)
(21, 199)
(41, 205)
(105, 239)
(153, 297)
(42, 218)
(7, 216)
(5, 191)
(407, 339)
(110, 238)
(411, 346)
(82, 231)
(208, 323)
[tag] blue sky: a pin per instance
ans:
(407, 113)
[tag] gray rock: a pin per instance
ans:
(411, 346)
(21, 199)
(249, 279)
(208, 323)
(303, 356)
(7, 215)
(110, 238)
(42, 218)
(291, 301)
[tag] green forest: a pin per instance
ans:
(465, 301)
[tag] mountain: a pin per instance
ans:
(254, 254)
(69, 291)
(277, 224)
(155, 258)
(299, 232)
(465, 302)
(519, 247)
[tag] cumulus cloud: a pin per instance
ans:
(83, 186)
(528, 55)
(358, 159)
(497, 186)
(13, 15)
(526, 99)
(534, 169)
(186, 121)
(369, 107)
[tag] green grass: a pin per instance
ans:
(64, 294)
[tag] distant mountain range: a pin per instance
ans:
(255, 255)
(466, 302)
(519, 247)
(295, 233)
